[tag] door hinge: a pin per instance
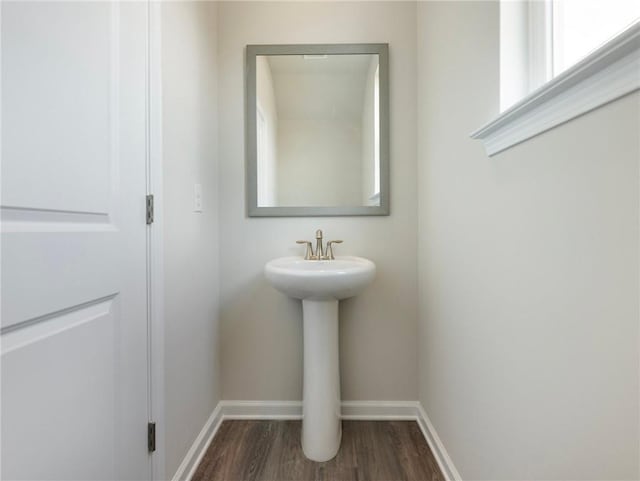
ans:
(149, 209)
(151, 437)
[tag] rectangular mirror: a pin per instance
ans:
(317, 139)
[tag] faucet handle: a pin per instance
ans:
(330, 249)
(309, 254)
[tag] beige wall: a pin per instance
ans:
(319, 136)
(261, 335)
(319, 162)
(528, 271)
(191, 239)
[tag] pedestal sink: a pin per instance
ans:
(320, 284)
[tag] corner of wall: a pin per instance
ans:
(191, 256)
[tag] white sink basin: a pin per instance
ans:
(346, 276)
(320, 285)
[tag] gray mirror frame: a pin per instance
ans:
(381, 49)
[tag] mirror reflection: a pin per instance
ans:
(317, 130)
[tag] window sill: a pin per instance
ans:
(608, 73)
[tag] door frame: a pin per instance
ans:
(155, 241)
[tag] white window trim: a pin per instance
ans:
(540, 43)
(607, 74)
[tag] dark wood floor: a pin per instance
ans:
(271, 451)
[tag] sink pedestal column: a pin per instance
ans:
(321, 426)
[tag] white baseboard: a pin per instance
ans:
(364, 410)
(351, 410)
(437, 448)
(379, 410)
(261, 409)
(193, 457)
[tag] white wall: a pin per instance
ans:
(191, 239)
(528, 271)
(319, 162)
(261, 329)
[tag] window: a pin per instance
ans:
(560, 59)
(540, 39)
(581, 26)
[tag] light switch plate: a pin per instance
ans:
(197, 198)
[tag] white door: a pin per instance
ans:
(74, 283)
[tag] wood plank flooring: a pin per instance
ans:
(271, 451)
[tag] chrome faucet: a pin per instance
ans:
(319, 251)
(320, 254)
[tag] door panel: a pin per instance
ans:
(74, 286)
(59, 62)
(77, 387)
